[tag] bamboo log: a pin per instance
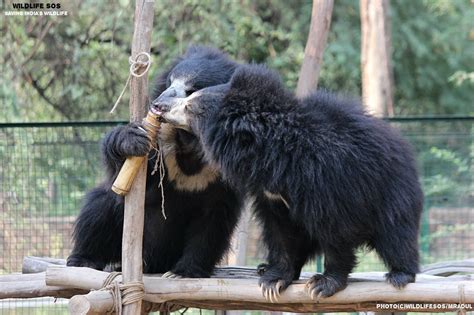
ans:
(134, 209)
(246, 292)
(130, 168)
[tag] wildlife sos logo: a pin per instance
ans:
(19, 8)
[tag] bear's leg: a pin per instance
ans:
(206, 241)
(288, 249)
(338, 263)
(98, 231)
(398, 249)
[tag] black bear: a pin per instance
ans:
(327, 177)
(201, 209)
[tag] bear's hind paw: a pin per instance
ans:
(399, 279)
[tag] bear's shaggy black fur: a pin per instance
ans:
(327, 178)
(201, 209)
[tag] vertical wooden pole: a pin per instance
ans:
(134, 212)
(313, 52)
(238, 247)
(377, 75)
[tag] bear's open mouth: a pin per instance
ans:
(156, 111)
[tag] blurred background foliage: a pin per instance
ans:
(74, 67)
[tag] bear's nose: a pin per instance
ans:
(162, 104)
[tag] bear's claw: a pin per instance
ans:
(171, 275)
(271, 290)
(321, 285)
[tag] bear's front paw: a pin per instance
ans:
(321, 285)
(134, 141)
(273, 282)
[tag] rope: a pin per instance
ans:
(123, 293)
(160, 166)
(111, 277)
(135, 66)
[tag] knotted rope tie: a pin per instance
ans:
(462, 300)
(123, 294)
(135, 66)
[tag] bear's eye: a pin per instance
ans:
(189, 92)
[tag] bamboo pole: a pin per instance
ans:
(132, 239)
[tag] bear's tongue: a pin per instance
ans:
(156, 111)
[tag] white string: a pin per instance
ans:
(135, 66)
(160, 166)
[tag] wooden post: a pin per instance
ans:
(132, 240)
(238, 253)
(313, 53)
(377, 76)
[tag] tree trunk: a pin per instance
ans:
(313, 53)
(377, 75)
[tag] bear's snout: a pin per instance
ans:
(175, 113)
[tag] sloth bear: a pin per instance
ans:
(201, 209)
(327, 178)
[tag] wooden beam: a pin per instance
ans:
(94, 302)
(220, 293)
(32, 264)
(32, 286)
(132, 240)
(447, 268)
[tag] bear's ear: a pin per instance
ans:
(200, 51)
(256, 79)
(244, 131)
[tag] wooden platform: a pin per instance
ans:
(236, 288)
